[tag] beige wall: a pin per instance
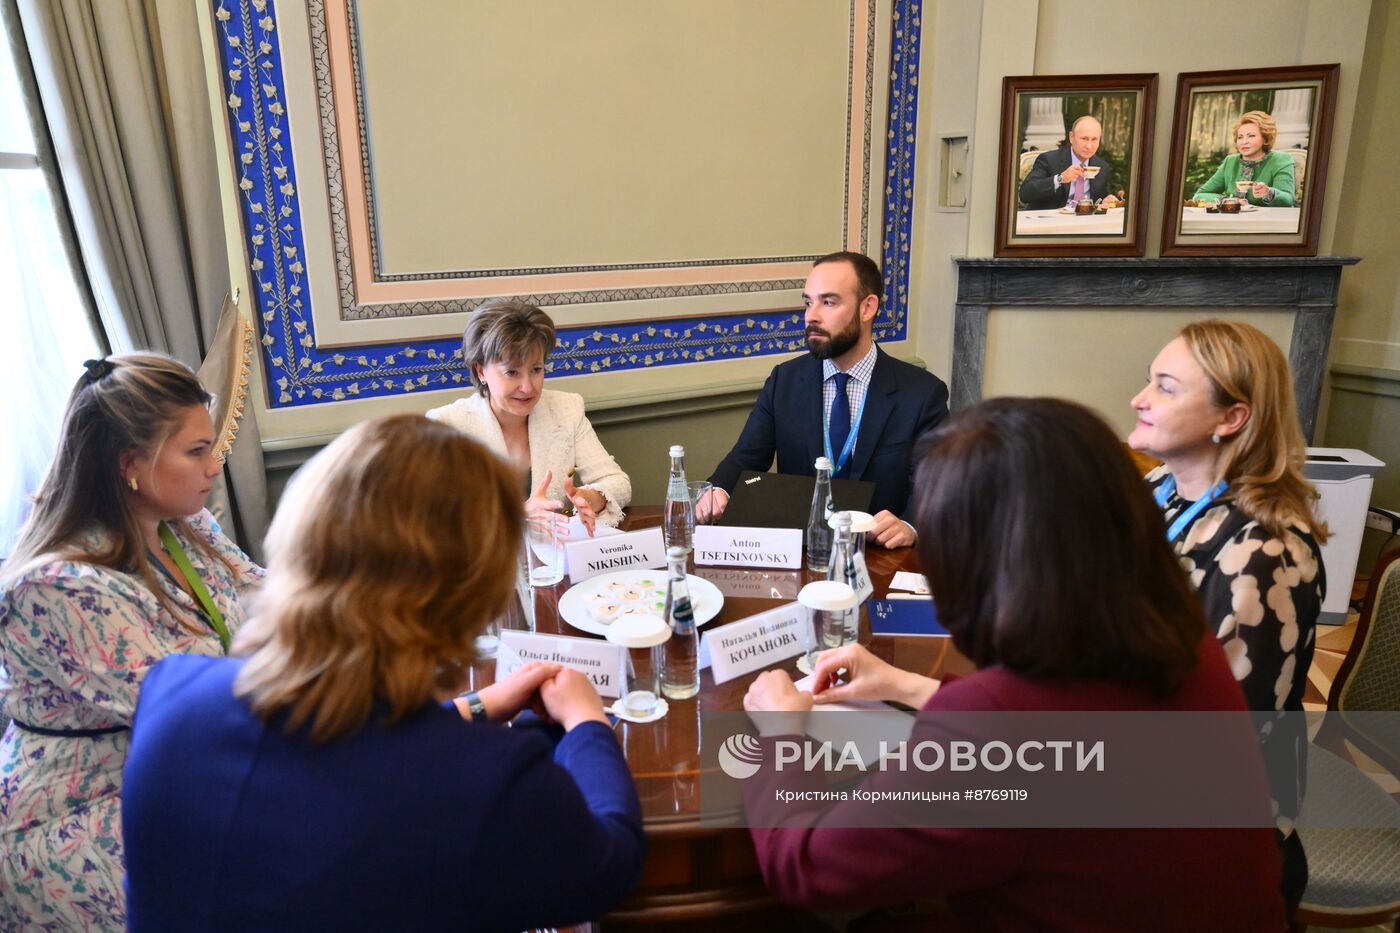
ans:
(1364, 404)
(1105, 364)
(968, 46)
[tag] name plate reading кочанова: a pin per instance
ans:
(603, 663)
(636, 550)
(753, 643)
(748, 547)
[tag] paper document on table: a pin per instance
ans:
(911, 582)
(881, 726)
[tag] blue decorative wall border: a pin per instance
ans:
(301, 373)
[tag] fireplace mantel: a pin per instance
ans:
(1307, 285)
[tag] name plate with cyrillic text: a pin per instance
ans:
(756, 642)
(635, 550)
(603, 663)
(748, 547)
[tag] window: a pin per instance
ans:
(45, 329)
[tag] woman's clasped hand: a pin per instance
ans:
(850, 672)
(553, 692)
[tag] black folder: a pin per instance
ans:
(784, 500)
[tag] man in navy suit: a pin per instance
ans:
(1057, 178)
(847, 395)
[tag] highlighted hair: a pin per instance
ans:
(1263, 462)
(391, 549)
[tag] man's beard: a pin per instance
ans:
(835, 344)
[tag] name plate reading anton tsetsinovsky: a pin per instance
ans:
(748, 547)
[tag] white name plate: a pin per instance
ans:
(603, 663)
(635, 550)
(748, 547)
(756, 642)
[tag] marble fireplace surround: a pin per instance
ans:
(1307, 285)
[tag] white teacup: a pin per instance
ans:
(1243, 186)
(1091, 171)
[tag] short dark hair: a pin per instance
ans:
(506, 330)
(1046, 554)
(868, 277)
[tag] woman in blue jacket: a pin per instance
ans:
(327, 778)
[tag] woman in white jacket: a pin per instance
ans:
(545, 432)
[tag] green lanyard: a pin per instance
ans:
(211, 611)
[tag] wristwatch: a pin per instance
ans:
(474, 705)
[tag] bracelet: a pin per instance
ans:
(475, 707)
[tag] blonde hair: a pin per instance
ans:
(1263, 462)
(505, 330)
(390, 550)
(122, 403)
(1268, 129)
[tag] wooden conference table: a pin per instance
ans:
(694, 872)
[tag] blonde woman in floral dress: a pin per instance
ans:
(117, 567)
(1218, 410)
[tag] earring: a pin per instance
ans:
(135, 486)
(1215, 438)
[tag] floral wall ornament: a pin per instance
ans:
(300, 373)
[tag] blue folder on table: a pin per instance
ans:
(904, 617)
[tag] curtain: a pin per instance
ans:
(123, 88)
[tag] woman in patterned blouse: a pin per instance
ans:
(117, 567)
(1218, 410)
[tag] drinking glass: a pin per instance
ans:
(827, 604)
(698, 490)
(544, 551)
(644, 638)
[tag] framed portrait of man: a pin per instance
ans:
(1074, 164)
(1249, 161)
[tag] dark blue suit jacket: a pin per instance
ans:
(903, 404)
(1038, 191)
(432, 823)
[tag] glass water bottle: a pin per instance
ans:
(680, 675)
(678, 517)
(842, 569)
(818, 531)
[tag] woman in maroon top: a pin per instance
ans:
(1052, 572)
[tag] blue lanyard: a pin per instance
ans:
(838, 464)
(1164, 492)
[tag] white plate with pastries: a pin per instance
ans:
(594, 604)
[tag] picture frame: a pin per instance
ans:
(1050, 126)
(1218, 157)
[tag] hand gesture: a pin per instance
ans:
(587, 504)
(890, 532)
(1071, 174)
(505, 698)
(539, 505)
(867, 678)
(711, 505)
(773, 691)
(569, 699)
(1259, 190)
